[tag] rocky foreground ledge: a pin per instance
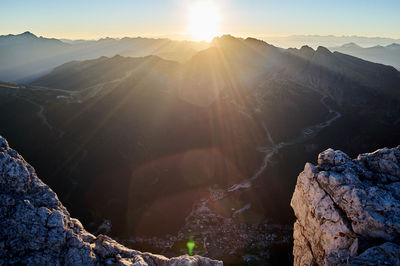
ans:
(348, 211)
(36, 229)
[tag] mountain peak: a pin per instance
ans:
(306, 48)
(231, 41)
(323, 50)
(251, 39)
(224, 38)
(28, 34)
(106, 39)
(306, 51)
(393, 45)
(351, 45)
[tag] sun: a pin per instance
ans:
(204, 20)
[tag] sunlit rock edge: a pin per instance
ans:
(348, 211)
(36, 229)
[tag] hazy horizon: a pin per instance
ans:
(186, 19)
(183, 37)
(290, 41)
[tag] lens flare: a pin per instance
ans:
(204, 20)
(190, 245)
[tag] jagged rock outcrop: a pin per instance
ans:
(348, 211)
(36, 229)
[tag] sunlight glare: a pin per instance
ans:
(204, 21)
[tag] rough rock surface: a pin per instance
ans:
(348, 211)
(36, 229)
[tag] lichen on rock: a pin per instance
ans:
(36, 229)
(348, 211)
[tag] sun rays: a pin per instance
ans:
(204, 21)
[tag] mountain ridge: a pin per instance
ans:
(211, 139)
(26, 57)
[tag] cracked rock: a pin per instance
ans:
(348, 211)
(36, 229)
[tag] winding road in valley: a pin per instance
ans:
(200, 209)
(273, 150)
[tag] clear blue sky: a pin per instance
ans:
(118, 18)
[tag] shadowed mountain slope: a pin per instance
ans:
(207, 142)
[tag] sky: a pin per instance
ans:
(93, 19)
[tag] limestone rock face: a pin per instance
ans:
(36, 229)
(348, 211)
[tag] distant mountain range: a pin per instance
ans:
(388, 55)
(296, 41)
(203, 145)
(25, 56)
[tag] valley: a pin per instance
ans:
(153, 152)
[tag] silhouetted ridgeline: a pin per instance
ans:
(25, 57)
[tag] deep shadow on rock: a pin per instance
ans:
(36, 229)
(348, 211)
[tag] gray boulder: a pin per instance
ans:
(348, 211)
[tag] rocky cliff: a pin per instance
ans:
(36, 229)
(348, 211)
